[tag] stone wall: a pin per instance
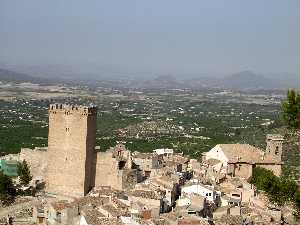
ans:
(37, 161)
(71, 146)
(276, 168)
(107, 171)
(114, 169)
(243, 170)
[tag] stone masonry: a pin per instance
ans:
(71, 150)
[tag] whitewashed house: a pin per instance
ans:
(205, 191)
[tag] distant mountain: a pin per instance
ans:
(288, 80)
(162, 81)
(11, 76)
(249, 80)
(245, 80)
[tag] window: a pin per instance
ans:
(147, 173)
(277, 150)
(236, 195)
(122, 165)
(58, 217)
(41, 220)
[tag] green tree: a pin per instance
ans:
(291, 109)
(24, 173)
(6, 189)
(278, 189)
(262, 178)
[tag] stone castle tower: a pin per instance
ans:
(71, 149)
(274, 145)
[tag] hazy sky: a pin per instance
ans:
(155, 36)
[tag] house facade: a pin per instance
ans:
(240, 159)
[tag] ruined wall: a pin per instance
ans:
(114, 169)
(107, 171)
(71, 146)
(37, 161)
(273, 167)
(144, 164)
(129, 179)
(243, 170)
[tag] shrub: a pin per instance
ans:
(278, 189)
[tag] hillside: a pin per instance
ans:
(249, 80)
(12, 76)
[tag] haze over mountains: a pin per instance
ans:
(251, 80)
(239, 81)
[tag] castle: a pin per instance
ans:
(73, 165)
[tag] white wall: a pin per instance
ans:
(217, 153)
(82, 221)
(210, 195)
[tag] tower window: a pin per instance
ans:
(122, 165)
(276, 150)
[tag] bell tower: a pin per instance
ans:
(274, 145)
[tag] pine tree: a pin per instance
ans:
(24, 173)
(291, 109)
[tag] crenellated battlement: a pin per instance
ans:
(275, 137)
(69, 109)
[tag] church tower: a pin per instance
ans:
(274, 145)
(71, 150)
